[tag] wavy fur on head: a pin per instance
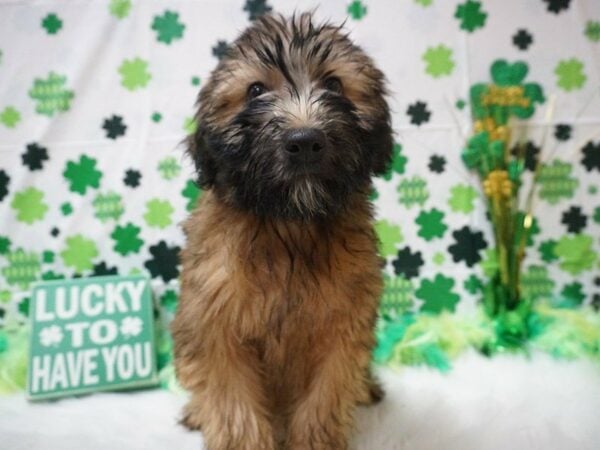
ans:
(238, 145)
(281, 277)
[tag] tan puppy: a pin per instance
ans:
(281, 277)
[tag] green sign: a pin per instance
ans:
(90, 334)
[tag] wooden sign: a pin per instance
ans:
(90, 334)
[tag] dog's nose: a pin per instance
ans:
(305, 144)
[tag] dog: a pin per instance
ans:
(280, 274)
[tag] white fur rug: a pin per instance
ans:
(504, 403)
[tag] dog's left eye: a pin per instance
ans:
(256, 89)
(333, 84)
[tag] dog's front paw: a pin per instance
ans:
(191, 422)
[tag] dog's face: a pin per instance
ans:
(292, 120)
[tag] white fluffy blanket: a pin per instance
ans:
(504, 403)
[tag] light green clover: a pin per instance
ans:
(119, 8)
(438, 61)
(158, 213)
(29, 205)
(462, 198)
(389, 235)
(134, 74)
(570, 74)
(79, 253)
(575, 253)
(10, 117)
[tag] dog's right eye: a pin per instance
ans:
(256, 89)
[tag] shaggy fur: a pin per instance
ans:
(281, 277)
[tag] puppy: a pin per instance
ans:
(281, 277)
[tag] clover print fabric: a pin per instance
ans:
(96, 97)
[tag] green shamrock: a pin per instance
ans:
(82, 174)
(462, 198)
(48, 256)
(357, 10)
(437, 294)
(397, 296)
(424, 3)
(156, 117)
(592, 30)
(398, 162)
(51, 94)
(573, 293)
(473, 284)
(66, 208)
(546, 250)
(483, 154)
(127, 239)
(158, 213)
(4, 245)
(413, 191)
(134, 73)
(169, 300)
(169, 168)
(596, 216)
(536, 283)
(570, 74)
(79, 253)
(23, 268)
(438, 61)
(431, 224)
(119, 8)
(52, 23)
(192, 192)
(10, 117)
(29, 205)
(389, 235)
(555, 181)
(108, 206)
(575, 253)
(470, 15)
(168, 27)
(506, 75)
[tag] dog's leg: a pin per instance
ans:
(323, 418)
(229, 405)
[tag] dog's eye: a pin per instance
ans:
(333, 84)
(256, 89)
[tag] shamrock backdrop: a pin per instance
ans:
(96, 97)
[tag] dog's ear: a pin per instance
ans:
(205, 165)
(380, 143)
